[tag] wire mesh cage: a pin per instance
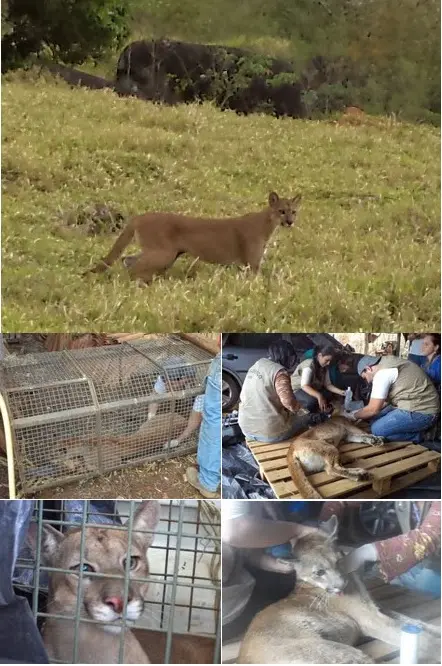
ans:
(78, 413)
(97, 597)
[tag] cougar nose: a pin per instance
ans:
(116, 603)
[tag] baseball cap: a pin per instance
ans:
(367, 360)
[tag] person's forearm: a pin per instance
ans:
(413, 547)
(249, 532)
(367, 412)
(334, 389)
(283, 388)
(193, 423)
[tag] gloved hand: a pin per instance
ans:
(358, 557)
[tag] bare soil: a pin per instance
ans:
(157, 480)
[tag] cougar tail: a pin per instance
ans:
(303, 485)
(117, 250)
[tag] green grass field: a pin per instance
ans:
(364, 255)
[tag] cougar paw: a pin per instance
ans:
(378, 440)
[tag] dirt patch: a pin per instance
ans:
(93, 220)
(157, 480)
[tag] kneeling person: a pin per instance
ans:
(403, 403)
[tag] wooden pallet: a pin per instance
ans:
(394, 466)
(389, 598)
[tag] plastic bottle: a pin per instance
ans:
(348, 398)
(409, 643)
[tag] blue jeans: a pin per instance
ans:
(209, 442)
(297, 425)
(401, 425)
(421, 579)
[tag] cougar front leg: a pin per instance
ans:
(254, 258)
(378, 625)
(363, 438)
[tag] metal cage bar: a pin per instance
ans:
(191, 536)
(80, 413)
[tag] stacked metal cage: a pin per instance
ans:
(74, 414)
(183, 593)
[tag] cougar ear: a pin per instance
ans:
(146, 517)
(273, 199)
(297, 200)
(330, 527)
(50, 541)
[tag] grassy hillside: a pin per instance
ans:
(364, 255)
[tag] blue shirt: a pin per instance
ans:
(433, 370)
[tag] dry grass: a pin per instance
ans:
(156, 480)
(364, 256)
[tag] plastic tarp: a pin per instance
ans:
(20, 640)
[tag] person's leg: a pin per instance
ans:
(208, 478)
(102, 512)
(307, 401)
(400, 425)
(382, 413)
(420, 578)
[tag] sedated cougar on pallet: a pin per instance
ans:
(105, 552)
(317, 450)
(163, 237)
(326, 615)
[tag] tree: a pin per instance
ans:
(73, 30)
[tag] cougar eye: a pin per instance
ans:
(133, 562)
(282, 212)
(319, 572)
(85, 568)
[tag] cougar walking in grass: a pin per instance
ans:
(163, 237)
(326, 615)
(102, 599)
(317, 450)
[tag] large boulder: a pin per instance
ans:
(173, 72)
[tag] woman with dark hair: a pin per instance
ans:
(311, 382)
(267, 408)
(431, 349)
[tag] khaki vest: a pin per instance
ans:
(260, 411)
(316, 383)
(413, 390)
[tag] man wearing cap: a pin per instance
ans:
(403, 401)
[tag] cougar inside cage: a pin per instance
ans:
(178, 618)
(79, 413)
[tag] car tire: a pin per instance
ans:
(230, 392)
(378, 520)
